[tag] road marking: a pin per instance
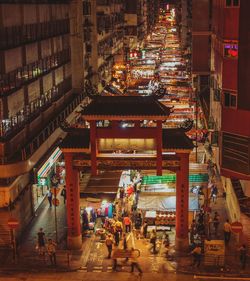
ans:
(220, 277)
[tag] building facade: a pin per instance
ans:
(229, 87)
(201, 34)
(41, 83)
(103, 23)
(140, 17)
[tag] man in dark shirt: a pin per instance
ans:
(41, 242)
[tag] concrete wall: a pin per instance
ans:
(246, 187)
(231, 199)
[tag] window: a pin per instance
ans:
(217, 94)
(231, 50)
(230, 99)
(233, 100)
(227, 99)
(232, 3)
(236, 2)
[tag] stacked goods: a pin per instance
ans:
(165, 218)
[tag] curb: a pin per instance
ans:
(35, 270)
(214, 274)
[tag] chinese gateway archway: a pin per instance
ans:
(131, 126)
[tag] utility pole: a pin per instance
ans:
(196, 126)
(55, 205)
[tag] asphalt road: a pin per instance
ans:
(76, 276)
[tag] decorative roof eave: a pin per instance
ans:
(75, 150)
(124, 117)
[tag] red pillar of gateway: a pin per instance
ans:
(182, 199)
(159, 148)
(74, 238)
(93, 147)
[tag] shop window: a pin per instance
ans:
(231, 50)
(232, 3)
(230, 100)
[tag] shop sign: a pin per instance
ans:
(55, 191)
(236, 227)
(42, 173)
(13, 223)
(214, 247)
(42, 181)
(55, 202)
(81, 163)
(127, 163)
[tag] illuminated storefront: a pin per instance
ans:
(52, 166)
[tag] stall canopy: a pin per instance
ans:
(163, 203)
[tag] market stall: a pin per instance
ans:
(157, 202)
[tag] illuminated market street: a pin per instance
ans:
(124, 140)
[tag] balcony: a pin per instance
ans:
(11, 126)
(15, 36)
(103, 2)
(14, 80)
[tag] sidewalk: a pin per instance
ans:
(92, 256)
(27, 256)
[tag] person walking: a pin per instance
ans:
(117, 237)
(134, 262)
(63, 194)
(138, 224)
(216, 222)
(153, 241)
(49, 196)
(243, 256)
(214, 193)
(118, 227)
(192, 231)
(41, 242)
(51, 249)
(124, 242)
(109, 243)
(127, 223)
(196, 253)
(227, 231)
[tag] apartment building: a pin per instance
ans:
(201, 38)
(230, 102)
(41, 83)
(103, 24)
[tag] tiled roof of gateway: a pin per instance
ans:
(76, 138)
(171, 139)
(176, 139)
(125, 105)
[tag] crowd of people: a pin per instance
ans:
(208, 223)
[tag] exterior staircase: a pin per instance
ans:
(5, 239)
(244, 201)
